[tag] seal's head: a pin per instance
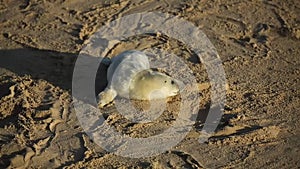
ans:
(149, 85)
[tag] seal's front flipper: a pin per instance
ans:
(106, 97)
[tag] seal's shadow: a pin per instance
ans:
(52, 66)
(101, 78)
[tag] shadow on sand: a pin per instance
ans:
(52, 66)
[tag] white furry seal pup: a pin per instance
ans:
(129, 76)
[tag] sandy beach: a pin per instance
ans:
(258, 46)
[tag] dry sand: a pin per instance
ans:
(258, 42)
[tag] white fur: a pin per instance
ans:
(122, 79)
(123, 68)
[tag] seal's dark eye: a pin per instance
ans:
(165, 81)
(172, 82)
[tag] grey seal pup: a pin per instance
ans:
(129, 76)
